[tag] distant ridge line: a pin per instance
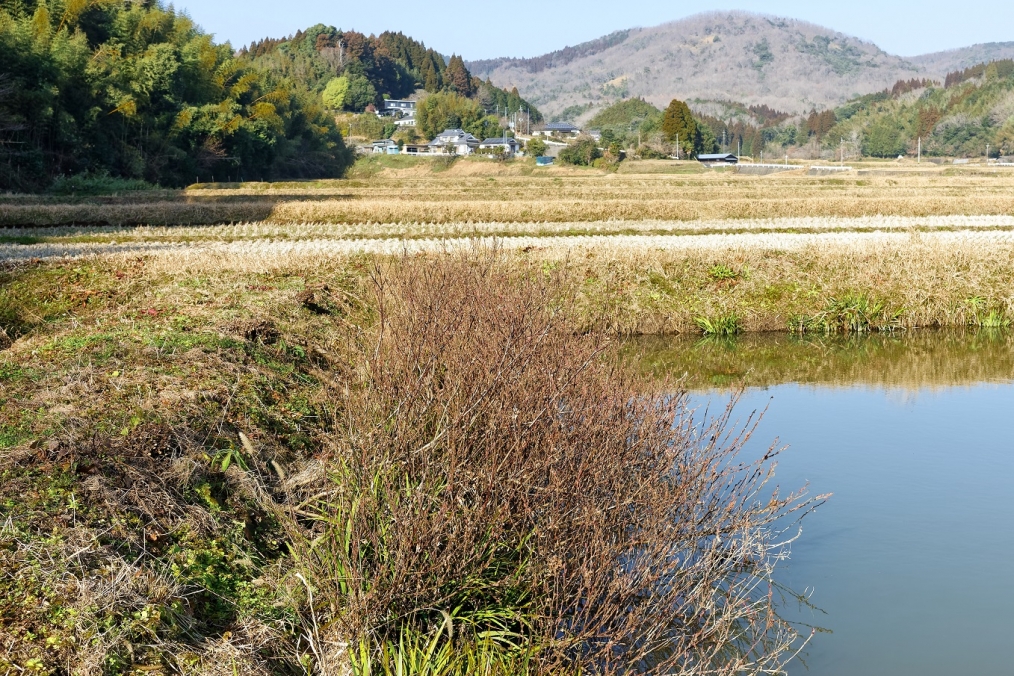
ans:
(560, 57)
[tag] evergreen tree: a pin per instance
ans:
(457, 77)
(430, 72)
(679, 126)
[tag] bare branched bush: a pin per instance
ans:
(494, 481)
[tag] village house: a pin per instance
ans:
(395, 106)
(402, 110)
(718, 159)
(453, 142)
(559, 129)
(510, 146)
(385, 147)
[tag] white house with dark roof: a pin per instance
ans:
(510, 146)
(559, 128)
(402, 110)
(403, 106)
(453, 142)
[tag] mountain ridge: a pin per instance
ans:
(754, 59)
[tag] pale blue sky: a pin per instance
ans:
(532, 27)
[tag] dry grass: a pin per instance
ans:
(542, 198)
(578, 233)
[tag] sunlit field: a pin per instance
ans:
(472, 192)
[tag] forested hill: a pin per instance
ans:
(136, 91)
(391, 65)
(970, 111)
(966, 57)
(362, 70)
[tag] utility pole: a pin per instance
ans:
(919, 161)
(987, 154)
(677, 146)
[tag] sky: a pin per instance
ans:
(479, 30)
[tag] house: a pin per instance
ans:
(595, 134)
(718, 159)
(405, 122)
(385, 147)
(396, 106)
(453, 142)
(559, 128)
(510, 146)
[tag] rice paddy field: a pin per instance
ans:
(666, 247)
(459, 198)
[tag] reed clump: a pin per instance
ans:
(493, 475)
(725, 325)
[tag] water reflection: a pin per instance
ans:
(910, 560)
(913, 360)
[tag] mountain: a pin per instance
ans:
(747, 58)
(959, 59)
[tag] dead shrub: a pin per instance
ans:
(494, 483)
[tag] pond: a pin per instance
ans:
(908, 565)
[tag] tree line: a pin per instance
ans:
(355, 72)
(136, 90)
(635, 123)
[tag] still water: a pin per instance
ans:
(911, 562)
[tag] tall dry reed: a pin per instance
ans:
(492, 480)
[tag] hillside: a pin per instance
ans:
(782, 63)
(372, 68)
(973, 113)
(959, 59)
(747, 58)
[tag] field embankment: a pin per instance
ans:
(639, 284)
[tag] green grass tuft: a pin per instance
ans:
(722, 272)
(725, 325)
(852, 312)
(987, 316)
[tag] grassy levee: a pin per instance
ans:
(354, 465)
